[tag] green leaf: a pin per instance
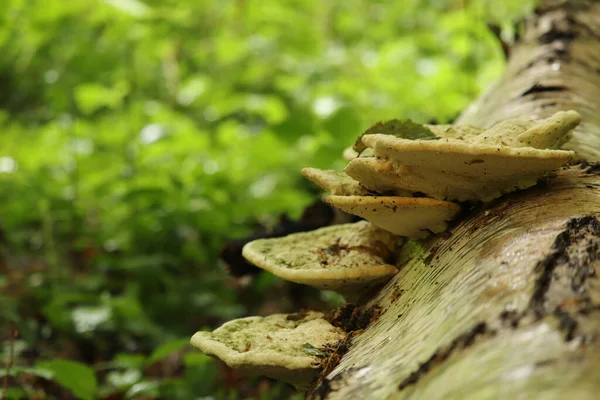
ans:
(74, 376)
(194, 359)
(88, 319)
(148, 388)
(313, 351)
(123, 380)
(166, 349)
(401, 128)
(90, 97)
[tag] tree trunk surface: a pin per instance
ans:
(507, 303)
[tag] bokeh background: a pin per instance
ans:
(137, 137)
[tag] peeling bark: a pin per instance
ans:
(507, 304)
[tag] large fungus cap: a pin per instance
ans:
(404, 216)
(280, 346)
(456, 169)
(334, 182)
(347, 258)
(462, 132)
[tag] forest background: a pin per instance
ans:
(137, 138)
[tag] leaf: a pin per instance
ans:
(400, 128)
(148, 388)
(88, 319)
(74, 376)
(16, 371)
(195, 359)
(123, 379)
(166, 349)
(313, 351)
(90, 97)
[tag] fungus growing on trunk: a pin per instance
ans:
(465, 162)
(404, 216)
(334, 182)
(280, 346)
(399, 157)
(348, 258)
(455, 169)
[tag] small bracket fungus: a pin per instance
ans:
(549, 133)
(280, 346)
(348, 258)
(404, 216)
(334, 182)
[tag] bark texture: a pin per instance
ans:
(507, 304)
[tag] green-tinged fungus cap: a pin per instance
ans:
(549, 133)
(462, 132)
(274, 346)
(334, 182)
(404, 216)
(347, 258)
(455, 169)
(553, 132)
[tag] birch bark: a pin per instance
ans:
(507, 305)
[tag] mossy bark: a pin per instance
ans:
(507, 304)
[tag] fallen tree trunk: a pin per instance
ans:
(507, 304)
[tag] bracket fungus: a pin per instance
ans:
(471, 166)
(280, 346)
(405, 216)
(347, 258)
(334, 182)
(398, 157)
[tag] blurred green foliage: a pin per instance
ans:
(136, 137)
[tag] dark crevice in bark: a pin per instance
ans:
(497, 31)
(556, 34)
(327, 385)
(538, 88)
(574, 236)
(461, 342)
(560, 288)
(546, 105)
(545, 268)
(567, 323)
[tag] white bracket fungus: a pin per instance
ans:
(348, 258)
(457, 170)
(466, 163)
(334, 182)
(442, 161)
(280, 346)
(404, 216)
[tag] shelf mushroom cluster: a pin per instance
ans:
(461, 163)
(405, 180)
